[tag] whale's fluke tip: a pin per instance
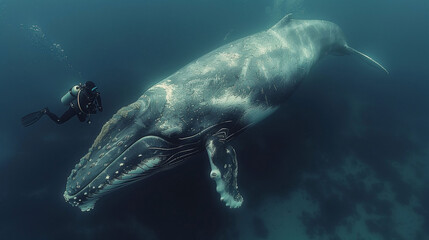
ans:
(367, 59)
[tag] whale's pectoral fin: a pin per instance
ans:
(223, 162)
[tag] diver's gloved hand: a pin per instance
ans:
(100, 108)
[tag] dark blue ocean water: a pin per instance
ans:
(345, 158)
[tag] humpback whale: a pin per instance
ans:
(202, 107)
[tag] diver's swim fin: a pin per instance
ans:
(31, 118)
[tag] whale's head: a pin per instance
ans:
(125, 151)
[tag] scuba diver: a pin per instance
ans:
(83, 100)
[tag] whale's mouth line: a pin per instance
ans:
(170, 158)
(95, 177)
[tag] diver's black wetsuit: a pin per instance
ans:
(87, 102)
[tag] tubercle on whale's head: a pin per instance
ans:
(121, 154)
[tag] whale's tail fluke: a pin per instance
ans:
(366, 59)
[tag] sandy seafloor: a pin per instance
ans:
(345, 158)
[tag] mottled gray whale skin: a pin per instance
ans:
(202, 107)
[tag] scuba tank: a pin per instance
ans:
(70, 95)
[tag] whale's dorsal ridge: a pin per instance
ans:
(285, 20)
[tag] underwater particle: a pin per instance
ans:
(107, 177)
(140, 155)
(121, 164)
(125, 158)
(40, 40)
